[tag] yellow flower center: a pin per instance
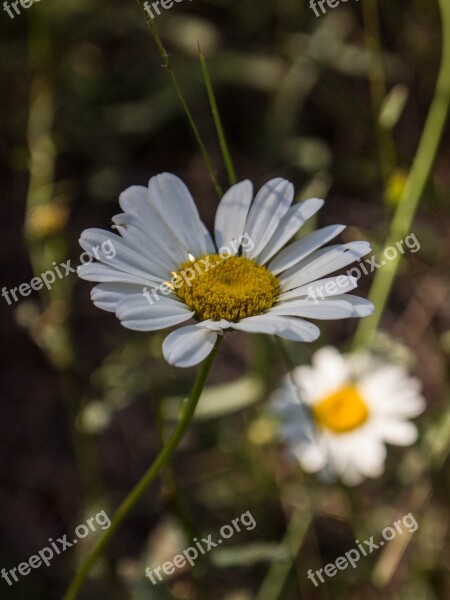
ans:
(342, 411)
(226, 288)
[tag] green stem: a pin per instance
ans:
(134, 496)
(378, 89)
(275, 580)
(217, 120)
(167, 64)
(172, 496)
(414, 188)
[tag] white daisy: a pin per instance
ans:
(243, 280)
(337, 415)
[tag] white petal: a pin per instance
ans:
(140, 236)
(329, 373)
(389, 375)
(270, 205)
(322, 288)
(298, 330)
(368, 457)
(302, 248)
(339, 451)
(312, 458)
(174, 203)
(388, 402)
(314, 383)
(351, 476)
(215, 325)
(232, 214)
(330, 365)
(389, 390)
(137, 313)
(292, 221)
(285, 406)
(107, 274)
(125, 258)
(361, 306)
(135, 200)
(258, 324)
(155, 322)
(291, 329)
(322, 262)
(398, 433)
(138, 306)
(323, 309)
(188, 346)
(107, 295)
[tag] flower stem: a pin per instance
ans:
(419, 174)
(217, 120)
(134, 496)
(167, 64)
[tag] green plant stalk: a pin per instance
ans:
(135, 495)
(172, 495)
(167, 64)
(217, 121)
(378, 89)
(275, 580)
(415, 185)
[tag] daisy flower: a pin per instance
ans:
(337, 415)
(167, 269)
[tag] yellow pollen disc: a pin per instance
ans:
(342, 411)
(226, 288)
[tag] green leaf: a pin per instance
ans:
(219, 400)
(249, 555)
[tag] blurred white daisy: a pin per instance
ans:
(337, 415)
(242, 280)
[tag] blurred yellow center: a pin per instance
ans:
(342, 411)
(226, 288)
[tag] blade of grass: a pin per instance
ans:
(273, 585)
(378, 89)
(217, 120)
(418, 177)
(168, 65)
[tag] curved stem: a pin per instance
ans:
(414, 188)
(167, 64)
(148, 478)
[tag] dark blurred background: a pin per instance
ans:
(87, 110)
